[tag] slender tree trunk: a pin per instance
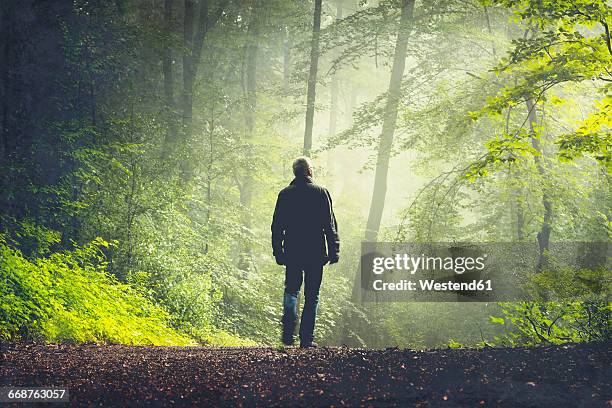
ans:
(488, 21)
(544, 233)
(130, 200)
(168, 73)
(246, 192)
(251, 73)
(188, 84)
(312, 77)
(287, 44)
(5, 40)
(188, 68)
(193, 39)
(389, 121)
(91, 91)
(210, 168)
(209, 173)
(333, 107)
(520, 220)
(384, 147)
(352, 105)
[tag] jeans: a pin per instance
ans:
(294, 274)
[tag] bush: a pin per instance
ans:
(70, 297)
(570, 306)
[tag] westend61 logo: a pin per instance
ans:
(464, 272)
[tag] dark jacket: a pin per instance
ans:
(303, 223)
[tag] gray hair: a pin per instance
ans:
(301, 165)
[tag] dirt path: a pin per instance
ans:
(570, 375)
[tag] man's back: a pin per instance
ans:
(303, 223)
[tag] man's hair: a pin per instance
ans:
(301, 165)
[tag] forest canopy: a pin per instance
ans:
(143, 144)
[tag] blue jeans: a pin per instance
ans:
(312, 276)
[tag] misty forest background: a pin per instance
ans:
(143, 144)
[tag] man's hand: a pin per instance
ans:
(280, 259)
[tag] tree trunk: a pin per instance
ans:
(389, 121)
(384, 147)
(246, 192)
(312, 77)
(193, 43)
(188, 68)
(333, 107)
(352, 105)
(287, 44)
(544, 233)
(520, 220)
(5, 40)
(168, 73)
(488, 21)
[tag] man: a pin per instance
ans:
(304, 238)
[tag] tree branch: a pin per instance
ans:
(607, 29)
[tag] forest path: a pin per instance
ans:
(557, 376)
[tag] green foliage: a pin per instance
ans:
(70, 297)
(454, 344)
(593, 137)
(563, 42)
(571, 306)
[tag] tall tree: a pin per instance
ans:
(385, 144)
(287, 43)
(312, 77)
(333, 107)
(389, 121)
(5, 36)
(544, 233)
(168, 73)
(250, 68)
(333, 103)
(194, 34)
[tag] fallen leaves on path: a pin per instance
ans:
(198, 376)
